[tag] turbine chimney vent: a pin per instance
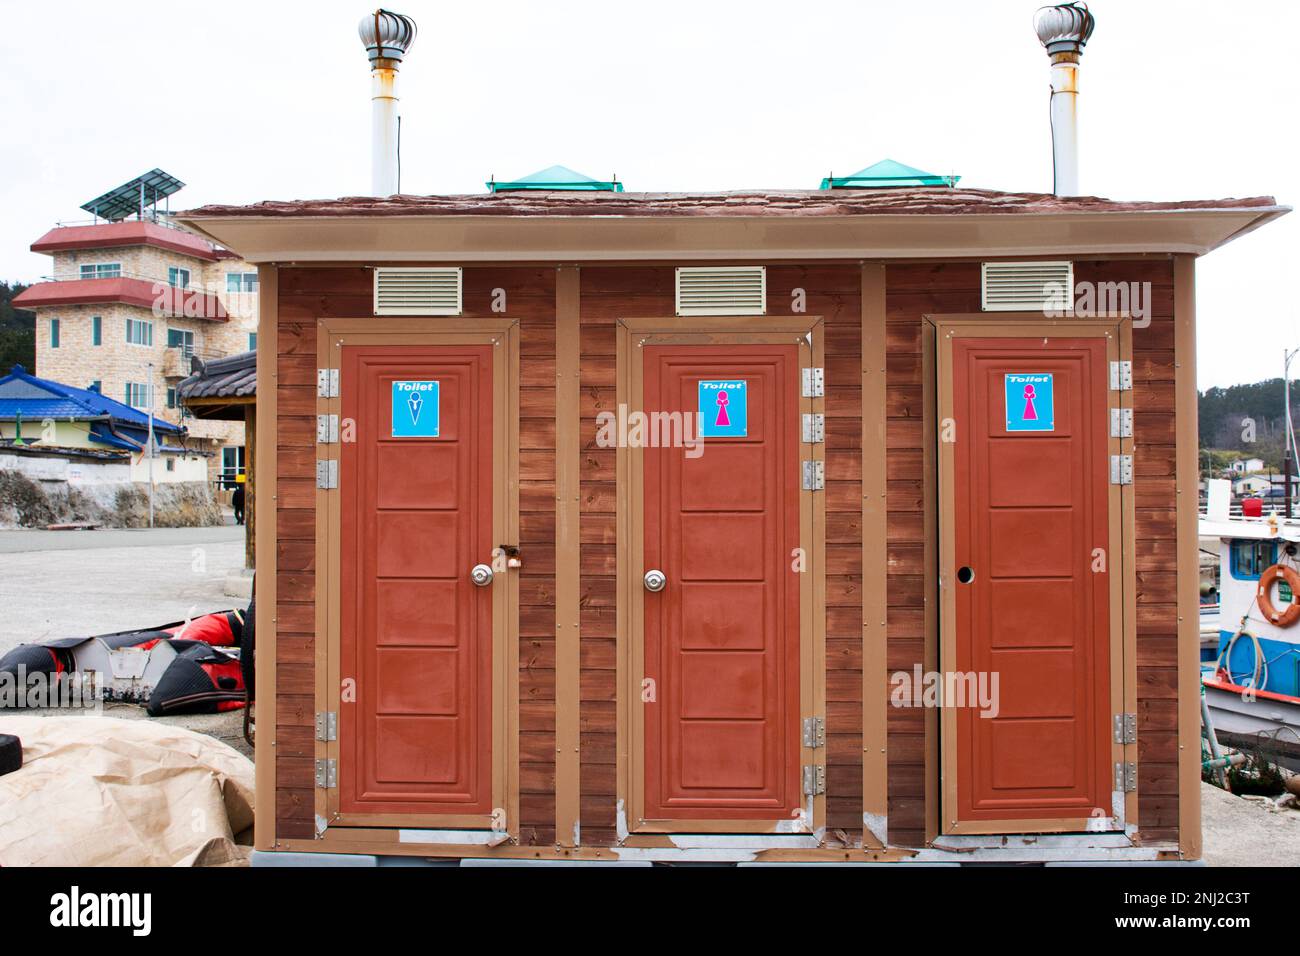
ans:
(1063, 30)
(387, 36)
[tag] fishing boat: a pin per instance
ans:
(1252, 685)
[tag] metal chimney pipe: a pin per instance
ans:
(387, 36)
(1063, 30)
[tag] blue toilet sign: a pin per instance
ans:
(1030, 403)
(724, 408)
(415, 409)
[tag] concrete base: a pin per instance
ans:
(261, 858)
(240, 584)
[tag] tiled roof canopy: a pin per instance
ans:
(234, 376)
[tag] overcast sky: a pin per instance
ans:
(270, 100)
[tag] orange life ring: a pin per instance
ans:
(1271, 576)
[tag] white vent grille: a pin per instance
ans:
(1028, 286)
(417, 291)
(722, 290)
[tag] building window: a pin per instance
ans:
(171, 463)
(241, 281)
(139, 394)
(139, 332)
(96, 330)
(171, 398)
(232, 464)
(54, 333)
(252, 341)
(101, 270)
(178, 278)
(182, 339)
(97, 386)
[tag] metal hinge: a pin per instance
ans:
(327, 473)
(814, 780)
(327, 383)
(814, 475)
(1121, 376)
(1126, 777)
(1126, 728)
(1121, 469)
(327, 429)
(1121, 423)
(814, 732)
(327, 774)
(814, 382)
(327, 725)
(814, 428)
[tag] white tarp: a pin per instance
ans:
(105, 791)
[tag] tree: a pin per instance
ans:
(17, 330)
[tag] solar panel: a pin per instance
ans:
(135, 197)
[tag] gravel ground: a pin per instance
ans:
(1239, 832)
(81, 583)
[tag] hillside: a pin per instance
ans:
(1225, 414)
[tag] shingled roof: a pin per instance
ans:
(784, 203)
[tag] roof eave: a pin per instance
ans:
(588, 238)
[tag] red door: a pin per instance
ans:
(416, 633)
(1031, 497)
(722, 637)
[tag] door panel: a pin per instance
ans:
(722, 640)
(1030, 504)
(416, 635)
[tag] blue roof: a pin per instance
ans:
(40, 398)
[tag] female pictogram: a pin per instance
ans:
(1030, 415)
(723, 419)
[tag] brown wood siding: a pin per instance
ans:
(911, 292)
(835, 293)
(611, 293)
(1156, 558)
(308, 294)
(920, 289)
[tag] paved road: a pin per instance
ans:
(12, 542)
(78, 583)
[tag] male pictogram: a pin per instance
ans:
(723, 420)
(415, 401)
(1030, 415)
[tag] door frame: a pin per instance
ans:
(503, 333)
(805, 331)
(1120, 554)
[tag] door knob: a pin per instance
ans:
(655, 581)
(481, 574)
